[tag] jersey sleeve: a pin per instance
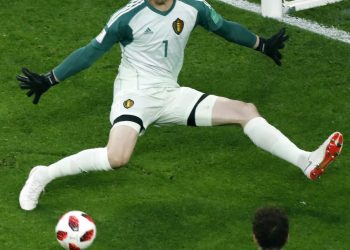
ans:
(116, 30)
(208, 18)
(236, 33)
(84, 57)
(107, 38)
(77, 61)
(231, 31)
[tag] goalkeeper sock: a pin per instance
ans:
(85, 161)
(267, 137)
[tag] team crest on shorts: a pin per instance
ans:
(178, 26)
(128, 103)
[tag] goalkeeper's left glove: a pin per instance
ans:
(35, 83)
(271, 45)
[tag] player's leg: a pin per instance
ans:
(263, 134)
(267, 137)
(227, 111)
(122, 140)
(121, 143)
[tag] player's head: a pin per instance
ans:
(270, 228)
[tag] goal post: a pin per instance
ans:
(276, 8)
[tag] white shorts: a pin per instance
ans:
(139, 108)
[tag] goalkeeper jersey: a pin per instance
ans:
(153, 41)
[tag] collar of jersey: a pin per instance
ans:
(163, 13)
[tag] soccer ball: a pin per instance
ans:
(75, 230)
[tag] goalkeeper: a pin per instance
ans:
(153, 35)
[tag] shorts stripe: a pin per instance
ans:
(191, 121)
(130, 118)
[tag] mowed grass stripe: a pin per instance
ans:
(185, 188)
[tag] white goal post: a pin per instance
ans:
(276, 8)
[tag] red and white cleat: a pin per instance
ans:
(320, 159)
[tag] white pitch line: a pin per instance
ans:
(329, 32)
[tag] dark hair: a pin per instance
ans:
(270, 227)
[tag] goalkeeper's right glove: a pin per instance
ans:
(35, 83)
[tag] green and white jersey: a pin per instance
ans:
(152, 41)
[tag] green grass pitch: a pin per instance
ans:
(184, 188)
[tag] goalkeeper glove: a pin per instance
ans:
(271, 46)
(35, 83)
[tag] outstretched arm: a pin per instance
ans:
(236, 33)
(79, 60)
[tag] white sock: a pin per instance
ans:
(85, 161)
(270, 139)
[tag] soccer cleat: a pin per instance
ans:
(320, 159)
(37, 180)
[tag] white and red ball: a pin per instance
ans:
(75, 230)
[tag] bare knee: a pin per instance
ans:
(249, 111)
(117, 160)
(121, 143)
